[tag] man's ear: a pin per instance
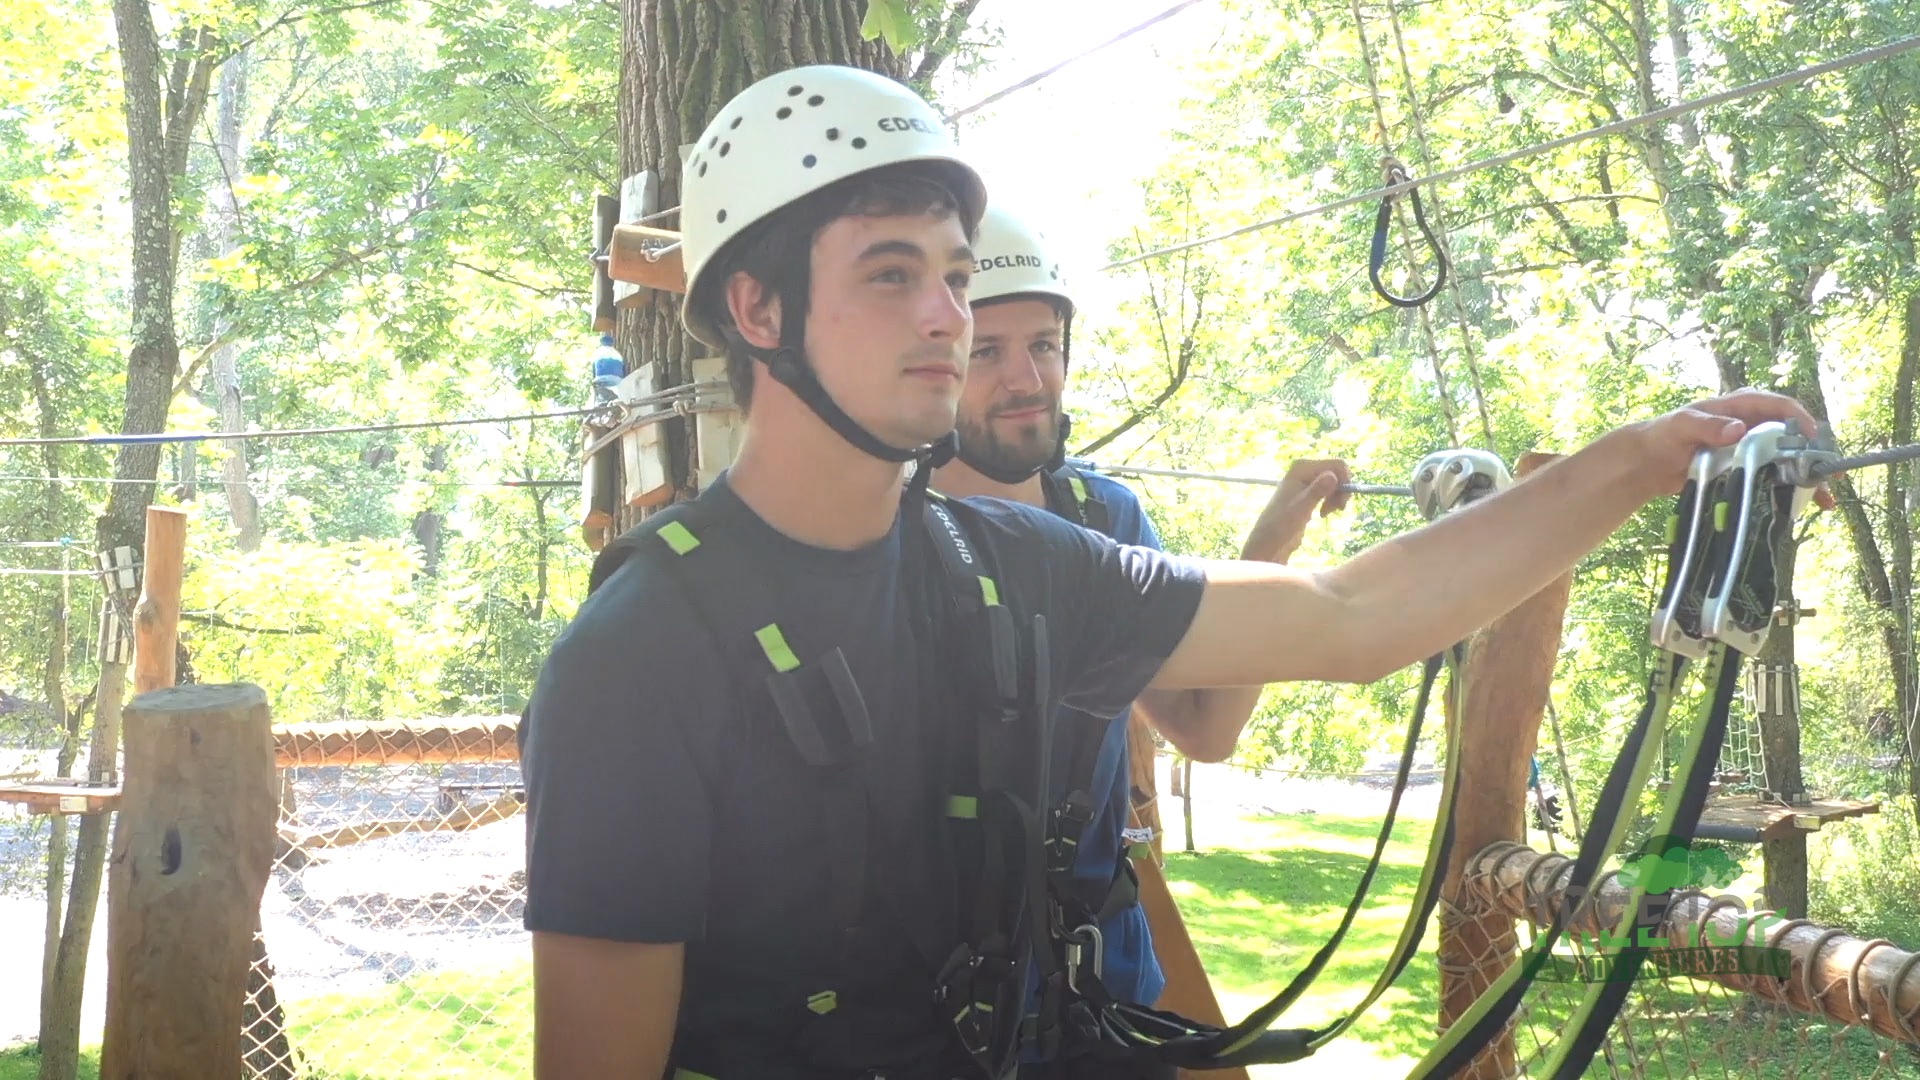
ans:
(755, 310)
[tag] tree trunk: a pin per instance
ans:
(1186, 798)
(160, 122)
(428, 523)
(1899, 635)
(53, 682)
(680, 61)
(222, 225)
(1778, 707)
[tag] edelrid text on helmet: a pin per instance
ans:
(792, 134)
(1011, 259)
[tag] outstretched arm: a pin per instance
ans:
(1205, 724)
(1420, 592)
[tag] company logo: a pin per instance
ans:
(1665, 866)
(953, 531)
(904, 123)
(1006, 262)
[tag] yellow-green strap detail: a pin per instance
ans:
(1079, 487)
(963, 806)
(1139, 851)
(774, 644)
(989, 592)
(824, 1002)
(678, 537)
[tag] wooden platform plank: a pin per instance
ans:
(1772, 819)
(61, 796)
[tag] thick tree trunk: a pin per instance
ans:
(223, 224)
(159, 132)
(1778, 707)
(680, 61)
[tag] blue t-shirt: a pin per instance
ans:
(1130, 970)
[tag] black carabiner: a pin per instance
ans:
(1377, 257)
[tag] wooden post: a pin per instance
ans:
(1508, 675)
(156, 618)
(191, 853)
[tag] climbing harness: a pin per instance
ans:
(1377, 254)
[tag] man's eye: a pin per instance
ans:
(983, 353)
(959, 281)
(891, 276)
(1045, 346)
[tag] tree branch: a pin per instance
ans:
(943, 45)
(210, 619)
(537, 290)
(199, 361)
(294, 15)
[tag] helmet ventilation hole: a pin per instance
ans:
(724, 147)
(809, 161)
(794, 91)
(816, 100)
(833, 134)
(783, 113)
(736, 123)
(721, 217)
(859, 143)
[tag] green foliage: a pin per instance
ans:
(1865, 874)
(1679, 867)
(894, 20)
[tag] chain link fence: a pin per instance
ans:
(390, 942)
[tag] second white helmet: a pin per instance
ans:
(1011, 258)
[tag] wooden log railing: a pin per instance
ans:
(1867, 984)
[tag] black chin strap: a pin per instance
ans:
(1018, 476)
(788, 366)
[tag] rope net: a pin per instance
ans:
(390, 940)
(1812, 1002)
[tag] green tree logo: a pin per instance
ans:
(1678, 867)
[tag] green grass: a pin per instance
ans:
(23, 1063)
(1272, 891)
(1258, 904)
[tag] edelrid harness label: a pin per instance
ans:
(953, 530)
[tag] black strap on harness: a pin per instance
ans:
(1069, 496)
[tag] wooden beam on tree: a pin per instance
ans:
(461, 740)
(1508, 675)
(156, 617)
(61, 796)
(192, 850)
(642, 255)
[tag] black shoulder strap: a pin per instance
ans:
(820, 707)
(1070, 496)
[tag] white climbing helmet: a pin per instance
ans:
(1446, 480)
(789, 135)
(1011, 258)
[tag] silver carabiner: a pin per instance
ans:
(1077, 941)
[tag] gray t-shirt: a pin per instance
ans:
(666, 804)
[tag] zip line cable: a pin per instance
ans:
(1032, 79)
(290, 433)
(1617, 127)
(670, 394)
